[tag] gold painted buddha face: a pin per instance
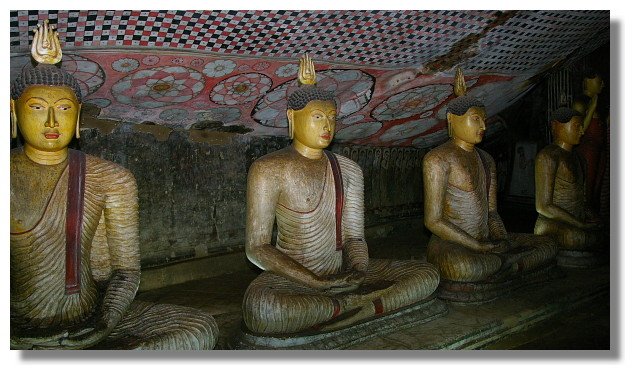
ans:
(469, 127)
(314, 125)
(569, 132)
(47, 116)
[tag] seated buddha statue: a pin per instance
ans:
(469, 242)
(563, 212)
(75, 262)
(592, 147)
(318, 276)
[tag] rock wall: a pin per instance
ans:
(192, 183)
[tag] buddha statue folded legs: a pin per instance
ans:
(276, 304)
(564, 212)
(477, 258)
(75, 262)
(317, 277)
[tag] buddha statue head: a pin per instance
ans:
(311, 111)
(465, 115)
(592, 84)
(566, 127)
(45, 100)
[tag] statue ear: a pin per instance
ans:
(290, 118)
(14, 120)
(79, 116)
(449, 117)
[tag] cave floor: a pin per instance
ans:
(564, 314)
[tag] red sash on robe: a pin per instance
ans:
(339, 197)
(74, 215)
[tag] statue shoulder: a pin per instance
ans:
(348, 165)
(271, 162)
(109, 173)
(549, 152)
(487, 158)
(439, 155)
(17, 154)
(17, 158)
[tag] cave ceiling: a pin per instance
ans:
(391, 70)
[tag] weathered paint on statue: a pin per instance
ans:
(74, 232)
(469, 242)
(563, 211)
(318, 275)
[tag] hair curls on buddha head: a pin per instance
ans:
(46, 75)
(458, 106)
(308, 86)
(463, 102)
(564, 115)
(300, 98)
(307, 92)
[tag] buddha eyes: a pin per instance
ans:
(320, 116)
(39, 107)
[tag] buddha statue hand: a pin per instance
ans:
(38, 342)
(495, 247)
(89, 336)
(342, 282)
(120, 292)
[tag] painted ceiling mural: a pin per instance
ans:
(391, 71)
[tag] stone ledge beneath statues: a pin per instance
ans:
(464, 327)
(411, 316)
(192, 269)
(477, 326)
(483, 292)
(582, 259)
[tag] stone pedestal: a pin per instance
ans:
(581, 259)
(406, 317)
(486, 291)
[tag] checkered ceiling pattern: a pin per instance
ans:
(391, 70)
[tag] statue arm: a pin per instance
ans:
(355, 248)
(121, 216)
(435, 181)
(588, 112)
(545, 177)
(263, 191)
(495, 223)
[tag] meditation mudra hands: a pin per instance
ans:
(92, 333)
(75, 338)
(496, 247)
(318, 271)
(342, 282)
(51, 306)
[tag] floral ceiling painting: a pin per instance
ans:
(391, 71)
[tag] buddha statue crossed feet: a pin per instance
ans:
(564, 212)
(75, 262)
(476, 256)
(318, 277)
